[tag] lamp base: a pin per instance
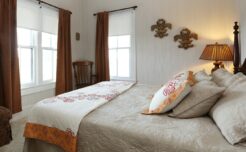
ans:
(217, 65)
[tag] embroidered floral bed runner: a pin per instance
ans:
(56, 120)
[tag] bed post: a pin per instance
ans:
(237, 57)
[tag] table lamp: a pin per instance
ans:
(218, 53)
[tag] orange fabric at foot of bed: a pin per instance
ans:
(51, 135)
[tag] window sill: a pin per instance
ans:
(36, 89)
(121, 79)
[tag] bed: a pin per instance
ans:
(119, 126)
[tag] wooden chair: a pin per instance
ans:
(83, 74)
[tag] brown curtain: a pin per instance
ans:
(102, 59)
(64, 59)
(10, 96)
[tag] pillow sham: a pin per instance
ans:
(234, 78)
(198, 103)
(230, 112)
(202, 75)
(221, 76)
(171, 94)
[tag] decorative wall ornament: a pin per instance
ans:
(185, 38)
(161, 28)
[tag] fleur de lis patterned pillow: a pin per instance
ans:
(171, 94)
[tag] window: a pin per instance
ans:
(122, 46)
(49, 56)
(31, 58)
(37, 43)
(26, 50)
(119, 56)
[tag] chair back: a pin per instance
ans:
(83, 73)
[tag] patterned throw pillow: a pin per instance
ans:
(171, 93)
(186, 76)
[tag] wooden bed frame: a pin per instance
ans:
(238, 67)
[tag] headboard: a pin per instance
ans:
(238, 67)
(243, 67)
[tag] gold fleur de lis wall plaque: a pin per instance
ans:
(161, 28)
(185, 38)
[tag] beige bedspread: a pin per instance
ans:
(119, 126)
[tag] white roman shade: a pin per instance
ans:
(121, 23)
(30, 15)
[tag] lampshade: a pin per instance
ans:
(217, 52)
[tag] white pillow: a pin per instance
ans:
(230, 112)
(221, 76)
(166, 98)
(186, 76)
(229, 82)
(201, 76)
(198, 103)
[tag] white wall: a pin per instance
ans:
(159, 59)
(75, 6)
(242, 9)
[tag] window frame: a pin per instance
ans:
(37, 72)
(31, 84)
(131, 57)
(34, 48)
(41, 59)
(132, 53)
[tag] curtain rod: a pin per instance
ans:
(42, 2)
(133, 7)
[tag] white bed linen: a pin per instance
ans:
(66, 111)
(119, 126)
